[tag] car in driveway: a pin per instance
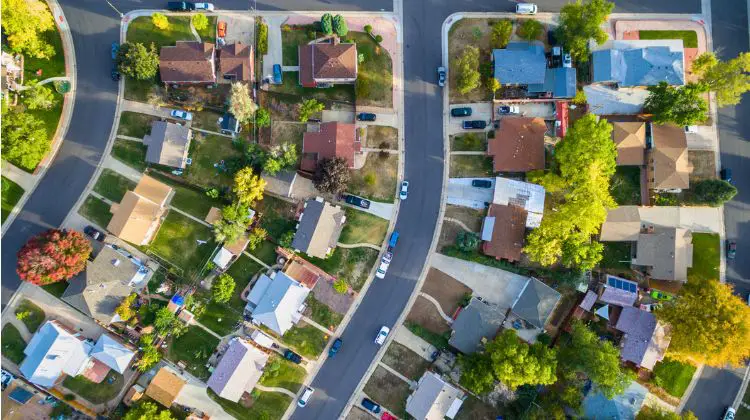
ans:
(404, 190)
(292, 356)
(481, 183)
(474, 125)
(508, 109)
(209, 7)
(115, 49)
(221, 29)
(441, 76)
(382, 335)
(731, 249)
(371, 405)
(357, 201)
(277, 78)
(366, 116)
(461, 112)
(183, 115)
(305, 397)
(93, 233)
(335, 347)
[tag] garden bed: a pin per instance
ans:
(176, 242)
(306, 340)
(377, 179)
(35, 316)
(388, 390)
(194, 347)
(11, 193)
(96, 210)
(361, 227)
(134, 124)
(96, 393)
(467, 166)
(112, 185)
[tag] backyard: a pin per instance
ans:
(625, 185)
(194, 347)
(281, 373)
(134, 124)
(242, 270)
(96, 210)
(210, 154)
(306, 339)
(616, 255)
(706, 248)
(388, 390)
(220, 317)
(673, 376)
(112, 185)
(34, 315)
(93, 392)
(11, 193)
(361, 227)
(374, 74)
(177, 243)
(265, 251)
(189, 199)
(131, 153)
(465, 166)
(206, 119)
(376, 180)
(12, 344)
(276, 216)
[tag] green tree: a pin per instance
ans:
(280, 157)
(262, 38)
(501, 32)
(326, 24)
(339, 26)
(467, 241)
(493, 85)
(39, 97)
(378, 39)
(580, 98)
(262, 118)
(581, 22)
(256, 237)
(713, 192)
(25, 23)
(530, 29)
(368, 29)
(125, 308)
(24, 140)
(340, 286)
(160, 21)
(654, 413)
(164, 320)
(308, 108)
(241, 104)
(729, 79)
(200, 21)
(147, 410)
(286, 239)
(137, 61)
(150, 354)
(332, 175)
(228, 230)
(678, 105)
(468, 70)
(222, 288)
(248, 187)
(515, 363)
(476, 373)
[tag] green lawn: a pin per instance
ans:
(689, 38)
(35, 316)
(194, 347)
(625, 185)
(265, 405)
(438, 340)
(96, 210)
(94, 392)
(673, 376)
(470, 166)
(266, 252)
(147, 313)
(207, 151)
(376, 71)
(209, 33)
(322, 314)
(277, 216)
(56, 289)
(131, 153)
(377, 179)
(140, 90)
(134, 124)
(616, 255)
(242, 269)
(469, 142)
(141, 29)
(112, 185)
(188, 199)
(706, 258)
(206, 119)
(220, 317)
(176, 242)
(281, 373)
(11, 193)
(290, 40)
(352, 265)
(363, 227)
(308, 340)
(12, 344)
(290, 86)
(52, 67)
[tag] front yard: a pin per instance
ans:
(131, 153)
(706, 249)
(405, 361)
(469, 142)
(177, 244)
(291, 39)
(388, 390)
(11, 193)
(322, 314)
(13, 344)
(93, 392)
(625, 185)
(361, 227)
(113, 186)
(374, 74)
(689, 38)
(381, 137)
(262, 405)
(35, 315)
(673, 376)
(194, 347)
(134, 124)
(464, 33)
(281, 373)
(353, 265)
(376, 180)
(466, 166)
(96, 210)
(210, 154)
(306, 340)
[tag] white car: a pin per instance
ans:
(183, 115)
(404, 190)
(305, 397)
(526, 8)
(382, 335)
(204, 6)
(382, 269)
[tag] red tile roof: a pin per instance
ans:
(518, 145)
(509, 228)
(237, 60)
(334, 139)
(187, 62)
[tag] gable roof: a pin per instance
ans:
(639, 62)
(645, 341)
(112, 353)
(668, 163)
(238, 371)
(522, 194)
(327, 62)
(52, 351)
(187, 62)
(136, 217)
(630, 140)
(333, 139)
(623, 224)
(236, 59)
(480, 319)
(520, 63)
(434, 399)
(622, 407)
(518, 145)
(282, 182)
(277, 302)
(165, 386)
(560, 81)
(536, 302)
(619, 297)
(168, 144)
(319, 228)
(588, 301)
(506, 226)
(668, 251)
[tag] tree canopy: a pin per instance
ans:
(24, 139)
(332, 175)
(530, 29)
(52, 256)
(125, 308)
(728, 79)
(713, 192)
(39, 97)
(222, 288)
(309, 108)
(136, 61)
(24, 24)
(241, 105)
(326, 24)
(468, 70)
(248, 187)
(581, 22)
(262, 118)
(160, 20)
(501, 32)
(150, 354)
(147, 410)
(678, 105)
(200, 21)
(339, 26)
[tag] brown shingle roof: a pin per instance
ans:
(165, 387)
(630, 139)
(509, 227)
(236, 60)
(518, 145)
(135, 219)
(669, 167)
(187, 62)
(334, 139)
(327, 62)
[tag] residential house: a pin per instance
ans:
(188, 62)
(522, 194)
(477, 323)
(236, 62)
(535, 303)
(109, 279)
(503, 232)
(229, 125)
(518, 145)
(645, 340)
(630, 140)
(303, 271)
(319, 228)
(434, 399)
(230, 251)
(55, 350)
(630, 63)
(325, 63)
(559, 82)
(666, 251)
(239, 369)
(624, 406)
(524, 64)
(137, 217)
(168, 144)
(623, 224)
(11, 70)
(668, 166)
(112, 353)
(286, 183)
(276, 302)
(333, 139)
(165, 387)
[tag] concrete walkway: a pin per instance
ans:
(121, 168)
(359, 245)
(44, 82)
(397, 373)
(318, 326)
(208, 330)
(432, 300)
(276, 389)
(414, 343)
(458, 222)
(124, 137)
(254, 258)
(215, 133)
(24, 179)
(20, 326)
(194, 32)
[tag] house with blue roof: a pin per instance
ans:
(636, 63)
(276, 301)
(525, 64)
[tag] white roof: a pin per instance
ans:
(112, 353)
(51, 352)
(674, 45)
(262, 339)
(624, 101)
(434, 398)
(279, 304)
(523, 194)
(222, 258)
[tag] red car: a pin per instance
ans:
(221, 29)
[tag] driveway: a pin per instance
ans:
(544, 110)
(239, 29)
(387, 118)
(479, 111)
(194, 394)
(697, 219)
(461, 193)
(339, 116)
(274, 55)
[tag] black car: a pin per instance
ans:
(461, 112)
(292, 357)
(357, 201)
(93, 233)
(726, 175)
(474, 125)
(180, 6)
(115, 74)
(481, 183)
(366, 116)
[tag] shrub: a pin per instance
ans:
(467, 241)
(468, 70)
(286, 239)
(530, 29)
(263, 38)
(378, 39)
(580, 98)
(339, 26)
(501, 32)
(200, 21)
(212, 193)
(326, 24)
(370, 179)
(340, 286)
(368, 29)
(713, 192)
(160, 21)
(286, 28)
(21, 315)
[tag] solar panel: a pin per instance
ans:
(622, 284)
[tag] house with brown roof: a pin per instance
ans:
(328, 62)
(188, 62)
(666, 251)
(137, 217)
(333, 139)
(319, 228)
(668, 167)
(236, 62)
(518, 145)
(503, 232)
(623, 224)
(630, 140)
(168, 144)
(165, 386)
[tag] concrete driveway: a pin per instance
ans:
(240, 28)
(544, 110)
(697, 219)
(389, 119)
(461, 193)
(479, 111)
(339, 116)
(194, 394)
(274, 45)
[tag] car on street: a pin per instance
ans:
(509, 109)
(474, 125)
(93, 233)
(392, 242)
(731, 249)
(292, 356)
(335, 347)
(357, 201)
(180, 6)
(115, 49)
(221, 29)
(659, 295)
(526, 8)
(366, 116)
(441, 76)
(115, 74)
(277, 78)
(726, 174)
(481, 183)
(404, 190)
(305, 397)
(729, 414)
(183, 115)
(371, 405)
(209, 7)
(382, 335)
(461, 112)
(7, 378)
(382, 268)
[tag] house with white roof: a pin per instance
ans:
(238, 371)
(112, 353)
(277, 302)
(52, 352)
(434, 399)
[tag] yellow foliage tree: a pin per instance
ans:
(160, 21)
(248, 187)
(24, 23)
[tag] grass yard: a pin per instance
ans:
(264, 405)
(625, 185)
(469, 142)
(361, 227)
(208, 150)
(377, 179)
(616, 255)
(290, 41)
(35, 316)
(704, 165)
(352, 265)
(194, 347)
(142, 29)
(96, 210)
(242, 269)
(209, 33)
(206, 119)
(673, 376)
(290, 87)
(56, 289)
(11, 193)
(465, 166)
(381, 137)
(141, 90)
(689, 38)
(147, 313)
(277, 216)
(388, 390)
(463, 33)
(176, 243)
(288, 132)
(112, 185)
(281, 373)
(706, 249)
(220, 317)
(321, 313)
(13, 344)
(306, 339)
(374, 74)
(131, 153)
(405, 361)
(53, 67)
(94, 392)
(266, 252)
(188, 199)
(134, 124)
(438, 340)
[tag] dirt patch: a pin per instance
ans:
(381, 137)
(357, 413)
(325, 293)
(282, 107)
(377, 179)
(704, 165)
(476, 409)
(472, 218)
(388, 390)
(405, 361)
(425, 314)
(448, 234)
(287, 132)
(445, 289)
(466, 32)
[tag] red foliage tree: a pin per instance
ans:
(52, 256)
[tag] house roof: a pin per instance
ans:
(236, 59)
(319, 228)
(238, 371)
(588, 301)
(603, 100)
(168, 144)
(623, 224)
(305, 272)
(112, 353)
(188, 62)
(213, 216)
(52, 351)
(327, 62)
(522, 194)
(667, 251)
(434, 398)
(278, 304)
(645, 341)
(518, 145)
(536, 302)
(282, 182)
(478, 320)
(623, 406)
(520, 63)
(619, 297)
(153, 190)
(334, 139)
(133, 219)
(560, 81)
(222, 258)
(508, 228)
(238, 246)
(669, 163)
(639, 62)
(630, 139)
(107, 281)
(165, 386)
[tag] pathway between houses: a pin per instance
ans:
(432, 300)
(359, 245)
(276, 389)
(458, 222)
(254, 258)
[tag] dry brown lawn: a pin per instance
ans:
(472, 218)
(378, 135)
(388, 390)
(405, 361)
(425, 314)
(445, 289)
(357, 413)
(288, 132)
(448, 234)
(463, 33)
(382, 173)
(704, 165)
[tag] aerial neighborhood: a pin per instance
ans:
(251, 213)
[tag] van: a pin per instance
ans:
(526, 8)
(305, 397)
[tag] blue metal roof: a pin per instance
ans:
(20, 395)
(639, 66)
(520, 63)
(561, 81)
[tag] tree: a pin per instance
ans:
(493, 85)
(378, 39)
(160, 21)
(241, 105)
(332, 175)
(262, 39)
(25, 23)
(39, 97)
(655, 413)
(200, 21)
(136, 61)
(729, 79)
(530, 30)
(326, 24)
(255, 238)
(501, 32)
(280, 157)
(164, 321)
(147, 410)
(228, 230)
(124, 309)
(515, 363)
(248, 187)
(340, 286)
(24, 140)
(222, 288)
(339, 26)
(578, 187)
(286, 239)
(467, 241)
(262, 118)
(713, 192)
(309, 108)
(52, 256)
(368, 29)
(580, 22)
(709, 324)
(150, 355)
(468, 70)
(678, 105)
(476, 373)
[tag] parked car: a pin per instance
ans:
(93, 233)
(335, 347)
(731, 250)
(567, 61)
(115, 74)
(392, 242)
(691, 129)
(509, 109)
(277, 76)
(441, 76)
(366, 116)
(526, 8)
(481, 183)
(183, 115)
(382, 335)
(209, 7)
(7, 378)
(305, 397)
(180, 6)
(659, 295)
(726, 174)
(729, 414)
(292, 357)
(461, 112)
(115, 49)
(382, 268)
(474, 125)
(357, 201)
(221, 29)
(404, 191)
(371, 405)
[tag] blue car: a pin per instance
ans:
(335, 347)
(115, 50)
(277, 74)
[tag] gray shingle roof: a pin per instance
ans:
(561, 81)
(520, 63)
(279, 302)
(639, 66)
(319, 228)
(478, 320)
(167, 144)
(238, 371)
(536, 302)
(645, 339)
